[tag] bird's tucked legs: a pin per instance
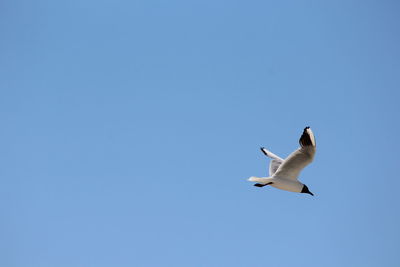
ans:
(261, 185)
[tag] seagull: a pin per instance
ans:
(283, 173)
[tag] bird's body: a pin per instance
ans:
(284, 172)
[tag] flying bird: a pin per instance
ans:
(283, 173)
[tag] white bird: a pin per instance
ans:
(283, 173)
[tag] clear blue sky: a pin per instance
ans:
(129, 128)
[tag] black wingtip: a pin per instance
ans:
(263, 151)
(305, 139)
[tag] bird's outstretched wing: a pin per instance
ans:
(275, 162)
(295, 162)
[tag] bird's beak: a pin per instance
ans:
(311, 193)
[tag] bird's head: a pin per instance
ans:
(305, 190)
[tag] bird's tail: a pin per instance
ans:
(260, 180)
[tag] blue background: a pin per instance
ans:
(129, 128)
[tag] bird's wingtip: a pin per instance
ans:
(263, 150)
(307, 138)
